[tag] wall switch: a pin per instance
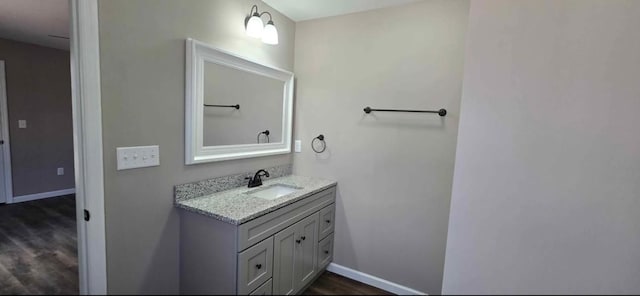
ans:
(298, 146)
(138, 157)
(22, 123)
(60, 171)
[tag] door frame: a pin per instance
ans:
(87, 144)
(4, 121)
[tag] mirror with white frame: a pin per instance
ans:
(235, 107)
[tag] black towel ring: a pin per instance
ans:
(321, 139)
(266, 135)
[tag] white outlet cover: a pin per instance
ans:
(298, 146)
(22, 123)
(137, 157)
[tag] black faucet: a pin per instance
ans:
(256, 181)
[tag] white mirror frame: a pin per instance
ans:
(197, 54)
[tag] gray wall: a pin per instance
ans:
(142, 59)
(39, 91)
(394, 171)
(545, 196)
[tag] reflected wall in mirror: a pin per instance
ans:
(235, 107)
(259, 101)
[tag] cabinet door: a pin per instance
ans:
(284, 258)
(265, 289)
(327, 217)
(254, 266)
(307, 259)
(325, 251)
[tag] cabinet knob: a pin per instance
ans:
(303, 237)
(297, 241)
(326, 252)
(258, 266)
(328, 221)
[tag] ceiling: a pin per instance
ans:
(302, 10)
(31, 21)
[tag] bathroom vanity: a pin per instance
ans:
(272, 239)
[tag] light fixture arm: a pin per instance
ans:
(251, 13)
(270, 18)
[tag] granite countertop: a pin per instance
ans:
(234, 206)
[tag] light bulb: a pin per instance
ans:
(255, 26)
(270, 34)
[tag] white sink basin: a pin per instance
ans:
(274, 191)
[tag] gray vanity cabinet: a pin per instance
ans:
(265, 289)
(284, 261)
(254, 265)
(295, 260)
(307, 259)
(280, 252)
(325, 252)
(327, 216)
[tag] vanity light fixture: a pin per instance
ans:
(270, 34)
(255, 27)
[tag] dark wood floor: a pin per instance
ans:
(38, 253)
(38, 250)
(332, 284)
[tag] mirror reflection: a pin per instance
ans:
(241, 107)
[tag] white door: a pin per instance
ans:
(5, 164)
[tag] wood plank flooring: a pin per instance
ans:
(38, 247)
(38, 253)
(332, 284)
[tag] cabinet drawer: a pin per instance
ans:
(265, 289)
(255, 266)
(327, 217)
(265, 226)
(325, 252)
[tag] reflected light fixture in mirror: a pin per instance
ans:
(255, 27)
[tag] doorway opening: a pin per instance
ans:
(38, 227)
(51, 187)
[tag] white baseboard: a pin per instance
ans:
(30, 197)
(372, 280)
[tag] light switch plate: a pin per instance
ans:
(298, 146)
(22, 123)
(138, 157)
(60, 171)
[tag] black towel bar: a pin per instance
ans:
(441, 112)
(224, 106)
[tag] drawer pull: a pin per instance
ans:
(328, 221)
(258, 266)
(326, 252)
(297, 241)
(303, 237)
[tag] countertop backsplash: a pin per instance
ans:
(205, 187)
